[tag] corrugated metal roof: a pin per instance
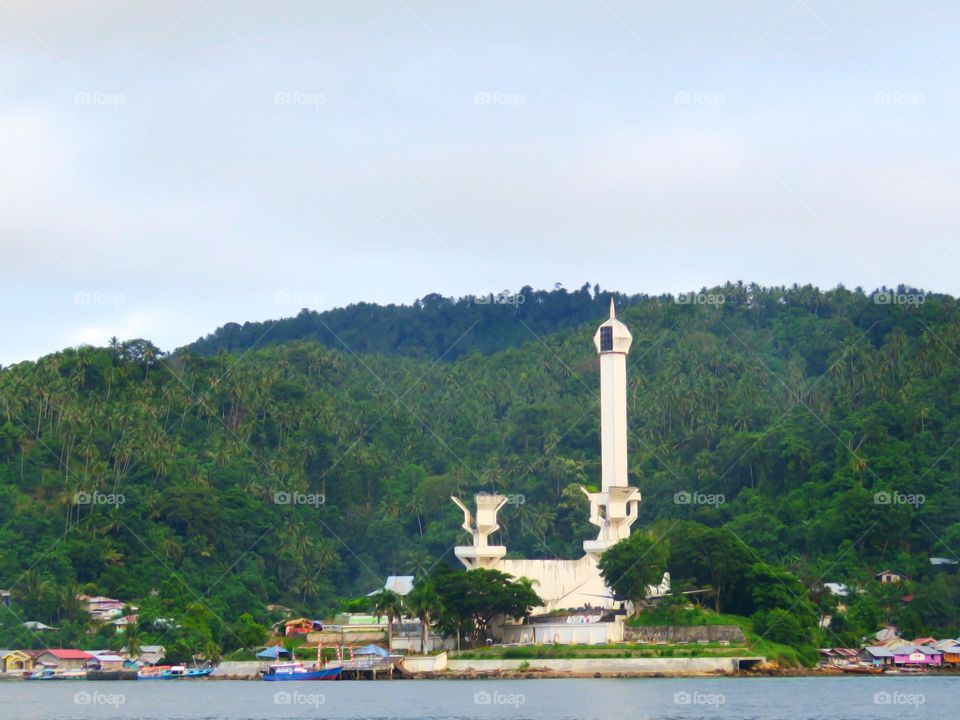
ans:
(877, 651)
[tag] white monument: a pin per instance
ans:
(614, 508)
(567, 584)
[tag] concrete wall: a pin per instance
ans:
(236, 668)
(563, 633)
(686, 633)
(603, 665)
(425, 663)
(562, 584)
(348, 636)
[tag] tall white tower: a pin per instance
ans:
(614, 508)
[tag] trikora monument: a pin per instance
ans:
(569, 584)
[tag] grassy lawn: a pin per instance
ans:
(782, 654)
(624, 650)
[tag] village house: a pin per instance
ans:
(151, 654)
(63, 658)
(878, 655)
(922, 652)
(5, 598)
(890, 576)
(105, 660)
(835, 657)
(950, 650)
(102, 609)
(15, 661)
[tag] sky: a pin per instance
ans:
(167, 167)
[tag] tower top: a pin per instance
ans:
(613, 336)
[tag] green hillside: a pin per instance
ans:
(237, 473)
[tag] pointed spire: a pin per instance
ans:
(613, 312)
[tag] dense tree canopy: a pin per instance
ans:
(816, 428)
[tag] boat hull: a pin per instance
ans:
(324, 674)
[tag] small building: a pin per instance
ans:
(5, 598)
(838, 589)
(834, 657)
(878, 655)
(38, 627)
(105, 660)
(943, 562)
(151, 654)
(298, 626)
(63, 658)
(914, 655)
(102, 609)
(402, 585)
(15, 661)
(890, 576)
(951, 653)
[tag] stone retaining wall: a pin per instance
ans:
(666, 666)
(684, 633)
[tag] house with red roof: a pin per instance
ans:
(63, 658)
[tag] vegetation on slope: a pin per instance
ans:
(818, 428)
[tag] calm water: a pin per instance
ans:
(841, 698)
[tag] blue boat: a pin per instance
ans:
(296, 671)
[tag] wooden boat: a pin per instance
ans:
(297, 671)
(164, 672)
(861, 669)
(51, 674)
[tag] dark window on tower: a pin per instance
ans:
(606, 339)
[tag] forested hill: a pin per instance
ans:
(432, 327)
(163, 480)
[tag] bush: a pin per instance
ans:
(782, 627)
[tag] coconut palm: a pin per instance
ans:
(424, 603)
(390, 605)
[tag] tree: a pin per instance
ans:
(388, 604)
(131, 638)
(424, 603)
(251, 633)
(632, 565)
(471, 599)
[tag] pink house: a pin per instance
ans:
(913, 655)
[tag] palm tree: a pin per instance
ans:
(132, 640)
(424, 603)
(389, 604)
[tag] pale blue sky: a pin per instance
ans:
(166, 167)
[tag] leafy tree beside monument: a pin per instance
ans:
(633, 564)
